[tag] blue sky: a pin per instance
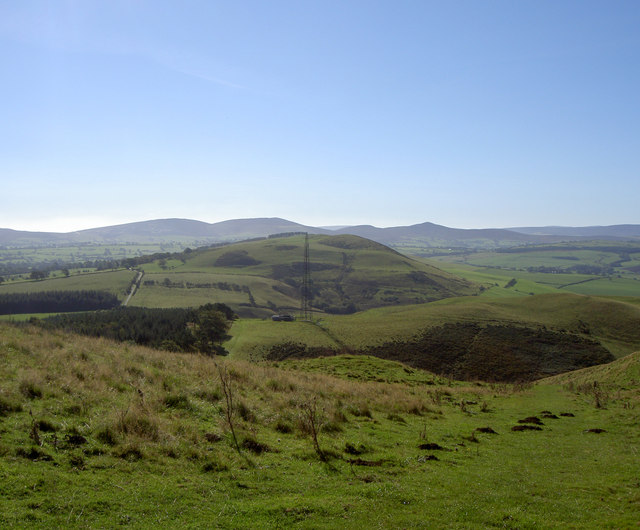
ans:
(463, 113)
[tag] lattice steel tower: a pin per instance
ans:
(305, 291)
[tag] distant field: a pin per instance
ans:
(116, 282)
(489, 277)
(24, 317)
(556, 258)
(183, 289)
(622, 284)
(77, 254)
(607, 286)
(619, 255)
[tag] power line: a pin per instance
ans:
(305, 291)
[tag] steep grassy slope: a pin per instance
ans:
(623, 373)
(348, 273)
(98, 434)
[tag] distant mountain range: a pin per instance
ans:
(190, 232)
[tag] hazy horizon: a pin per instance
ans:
(464, 114)
(327, 227)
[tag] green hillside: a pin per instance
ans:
(258, 278)
(623, 373)
(613, 323)
(97, 434)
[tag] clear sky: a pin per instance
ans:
(469, 114)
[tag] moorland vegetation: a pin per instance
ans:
(469, 351)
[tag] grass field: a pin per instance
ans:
(620, 260)
(494, 280)
(78, 254)
(98, 434)
(250, 336)
(116, 282)
(607, 287)
(23, 317)
(620, 255)
(562, 257)
(197, 288)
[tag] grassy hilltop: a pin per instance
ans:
(100, 434)
(256, 278)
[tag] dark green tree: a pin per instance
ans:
(210, 330)
(38, 275)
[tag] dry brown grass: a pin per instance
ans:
(133, 396)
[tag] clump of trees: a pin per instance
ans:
(56, 301)
(176, 329)
(236, 258)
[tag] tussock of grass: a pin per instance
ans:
(30, 389)
(177, 401)
(7, 406)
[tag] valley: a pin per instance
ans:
(516, 372)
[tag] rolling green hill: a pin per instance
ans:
(473, 338)
(613, 323)
(258, 278)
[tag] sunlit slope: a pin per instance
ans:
(250, 338)
(348, 273)
(615, 324)
(621, 373)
